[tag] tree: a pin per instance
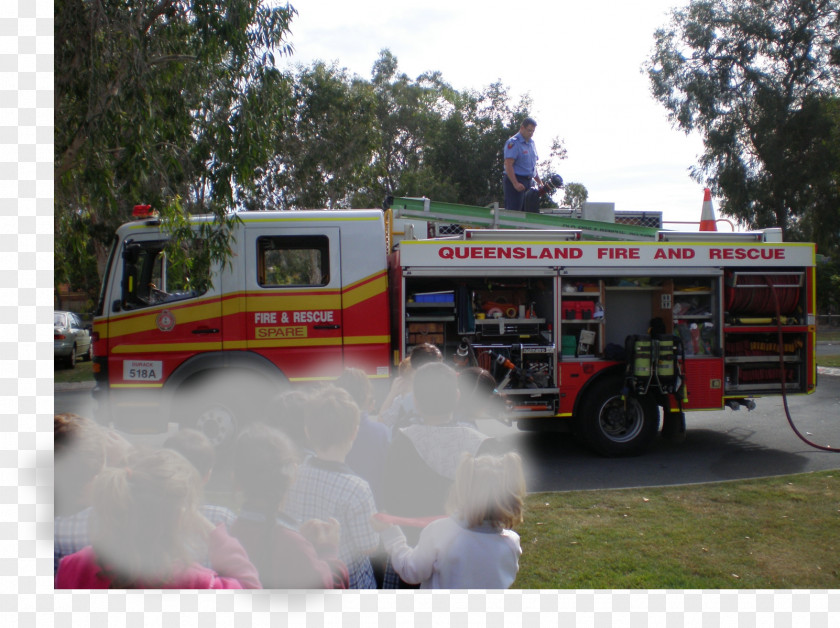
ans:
(323, 153)
(439, 142)
(828, 286)
(757, 78)
(154, 103)
(576, 195)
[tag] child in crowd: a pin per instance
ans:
(148, 528)
(199, 451)
(367, 456)
(327, 488)
(82, 449)
(79, 457)
(474, 548)
(422, 458)
(287, 412)
(265, 465)
(399, 408)
(478, 398)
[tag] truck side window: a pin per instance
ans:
(150, 279)
(293, 261)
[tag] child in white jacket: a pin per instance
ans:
(474, 548)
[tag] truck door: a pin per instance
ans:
(159, 315)
(293, 313)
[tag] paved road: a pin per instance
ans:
(723, 445)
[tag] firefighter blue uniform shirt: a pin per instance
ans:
(524, 155)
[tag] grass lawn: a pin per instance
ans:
(756, 534)
(82, 373)
(828, 336)
(829, 360)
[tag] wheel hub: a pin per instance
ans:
(218, 424)
(620, 424)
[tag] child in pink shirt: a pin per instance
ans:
(149, 532)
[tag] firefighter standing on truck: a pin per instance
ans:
(520, 155)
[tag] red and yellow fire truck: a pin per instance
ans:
(610, 330)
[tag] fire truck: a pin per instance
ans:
(608, 330)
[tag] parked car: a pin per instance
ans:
(71, 339)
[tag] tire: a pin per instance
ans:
(612, 426)
(218, 421)
(220, 405)
(71, 359)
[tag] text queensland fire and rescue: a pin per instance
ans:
(608, 253)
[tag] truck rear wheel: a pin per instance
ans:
(613, 426)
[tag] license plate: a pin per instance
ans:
(142, 370)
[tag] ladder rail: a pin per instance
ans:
(495, 217)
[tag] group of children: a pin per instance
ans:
(322, 486)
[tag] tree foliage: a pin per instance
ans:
(179, 104)
(436, 141)
(759, 80)
(322, 152)
(156, 102)
(828, 286)
(575, 195)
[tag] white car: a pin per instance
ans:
(71, 339)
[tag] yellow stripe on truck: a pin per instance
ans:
(135, 324)
(167, 347)
(290, 302)
(137, 386)
(306, 342)
(355, 294)
(366, 340)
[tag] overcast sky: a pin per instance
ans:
(580, 62)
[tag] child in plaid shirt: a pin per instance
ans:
(287, 554)
(326, 487)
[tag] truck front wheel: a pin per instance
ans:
(613, 426)
(217, 421)
(220, 404)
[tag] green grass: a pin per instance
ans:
(828, 360)
(828, 336)
(82, 373)
(771, 533)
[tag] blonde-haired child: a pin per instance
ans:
(149, 531)
(474, 548)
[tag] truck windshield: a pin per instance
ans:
(150, 278)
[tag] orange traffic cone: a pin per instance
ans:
(707, 218)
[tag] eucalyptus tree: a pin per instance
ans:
(758, 79)
(575, 195)
(155, 102)
(323, 153)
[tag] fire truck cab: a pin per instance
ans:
(304, 294)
